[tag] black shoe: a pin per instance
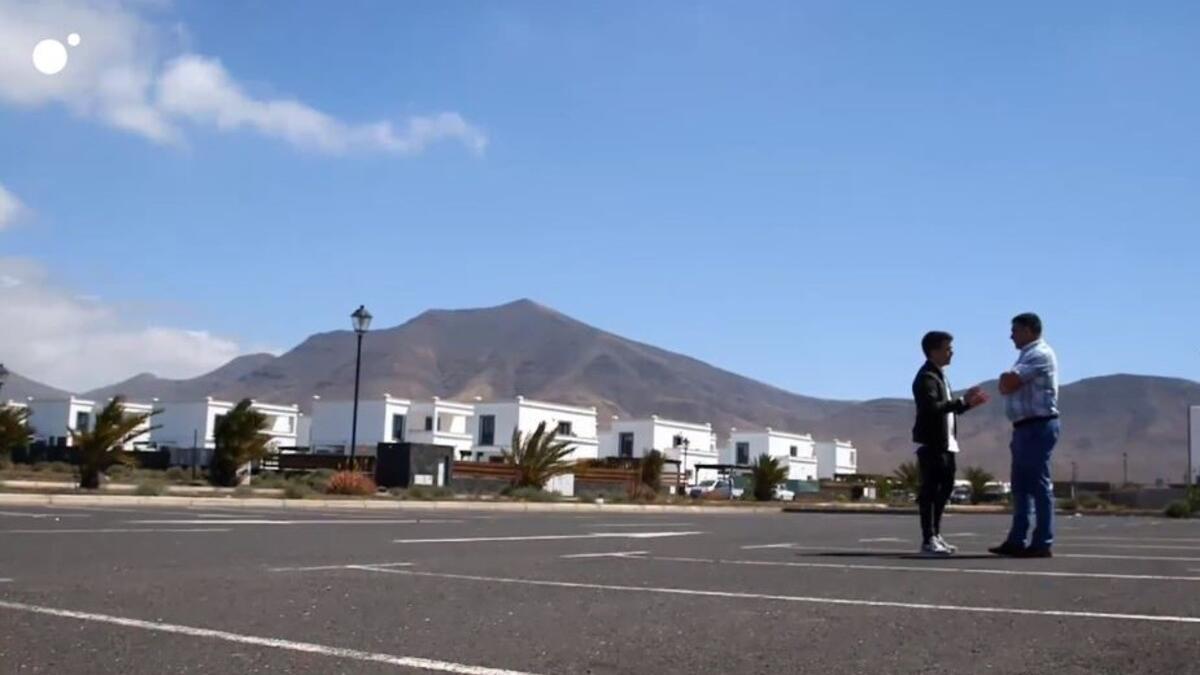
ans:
(1035, 553)
(1008, 549)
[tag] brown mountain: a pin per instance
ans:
(18, 388)
(1141, 416)
(525, 348)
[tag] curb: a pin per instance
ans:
(367, 504)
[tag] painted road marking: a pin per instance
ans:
(848, 602)
(351, 566)
(902, 551)
(24, 514)
(551, 537)
(614, 554)
(915, 568)
(118, 530)
(268, 521)
(275, 643)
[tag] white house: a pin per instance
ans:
(380, 420)
(688, 443)
(797, 451)
(389, 420)
(836, 458)
(190, 424)
(142, 440)
(441, 422)
(52, 418)
(494, 422)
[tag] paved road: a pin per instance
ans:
(221, 590)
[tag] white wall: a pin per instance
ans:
(778, 444)
(1195, 448)
(51, 419)
(660, 434)
(142, 440)
(452, 422)
(331, 422)
(525, 415)
(178, 421)
(836, 458)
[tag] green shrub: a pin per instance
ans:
(318, 480)
(530, 494)
(423, 493)
(641, 493)
(1178, 509)
(294, 489)
(150, 488)
(120, 472)
(243, 491)
(177, 474)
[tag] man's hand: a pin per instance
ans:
(976, 397)
(1009, 383)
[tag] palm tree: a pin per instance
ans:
(101, 447)
(538, 458)
(15, 431)
(239, 439)
(978, 478)
(908, 476)
(765, 474)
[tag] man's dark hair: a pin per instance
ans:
(934, 339)
(1031, 321)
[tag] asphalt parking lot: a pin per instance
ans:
(223, 590)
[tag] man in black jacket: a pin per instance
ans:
(936, 432)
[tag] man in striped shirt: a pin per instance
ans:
(1030, 389)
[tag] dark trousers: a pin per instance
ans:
(937, 469)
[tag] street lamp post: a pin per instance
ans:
(3, 375)
(362, 321)
(686, 443)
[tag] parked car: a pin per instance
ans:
(782, 493)
(961, 495)
(724, 487)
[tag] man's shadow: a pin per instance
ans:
(894, 556)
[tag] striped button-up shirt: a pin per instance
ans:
(1038, 396)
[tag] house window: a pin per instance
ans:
(398, 422)
(625, 444)
(743, 453)
(464, 455)
(794, 451)
(564, 429)
(487, 429)
(678, 442)
(81, 421)
(852, 457)
(428, 423)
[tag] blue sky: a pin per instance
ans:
(793, 191)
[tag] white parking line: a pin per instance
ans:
(551, 537)
(118, 530)
(5, 580)
(914, 568)
(351, 566)
(1136, 539)
(268, 521)
(25, 514)
(639, 524)
(275, 643)
(902, 551)
(614, 554)
(797, 598)
(891, 540)
(1135, 546)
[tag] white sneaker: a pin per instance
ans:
(934, 548)
(948, 546)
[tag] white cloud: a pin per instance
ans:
(59, 337)
(10, 208)
(118, 74)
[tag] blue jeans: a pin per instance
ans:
(1032, 486)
